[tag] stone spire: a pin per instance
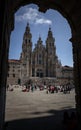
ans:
(50, 32)
(27, 28)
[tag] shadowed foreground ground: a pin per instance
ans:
(54, 122)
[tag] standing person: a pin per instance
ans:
(35, 87)
(32, 87)
(7, 87)
(47, 90)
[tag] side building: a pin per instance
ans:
(14, 69)
(67, 74)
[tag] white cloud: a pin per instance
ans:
(42, 21)
(32, 15)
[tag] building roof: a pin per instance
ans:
(13, 61)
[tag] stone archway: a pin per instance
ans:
(71, 10)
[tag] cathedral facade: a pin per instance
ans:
(40, 61)
(39, 64)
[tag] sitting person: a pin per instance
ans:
(70, 121)
(73, 122)
(66, 118)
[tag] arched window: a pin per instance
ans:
(39, 73)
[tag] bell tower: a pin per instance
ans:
(26, 59)
(51, 55)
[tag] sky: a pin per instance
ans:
(39, 23)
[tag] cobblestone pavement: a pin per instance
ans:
(37, 110)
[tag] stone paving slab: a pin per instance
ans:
(37, 110)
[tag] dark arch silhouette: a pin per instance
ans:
(71, 10)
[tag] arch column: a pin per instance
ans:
(5, 29)
(76, 43)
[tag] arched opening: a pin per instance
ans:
(50, 111)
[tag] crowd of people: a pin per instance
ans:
(49, 88)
